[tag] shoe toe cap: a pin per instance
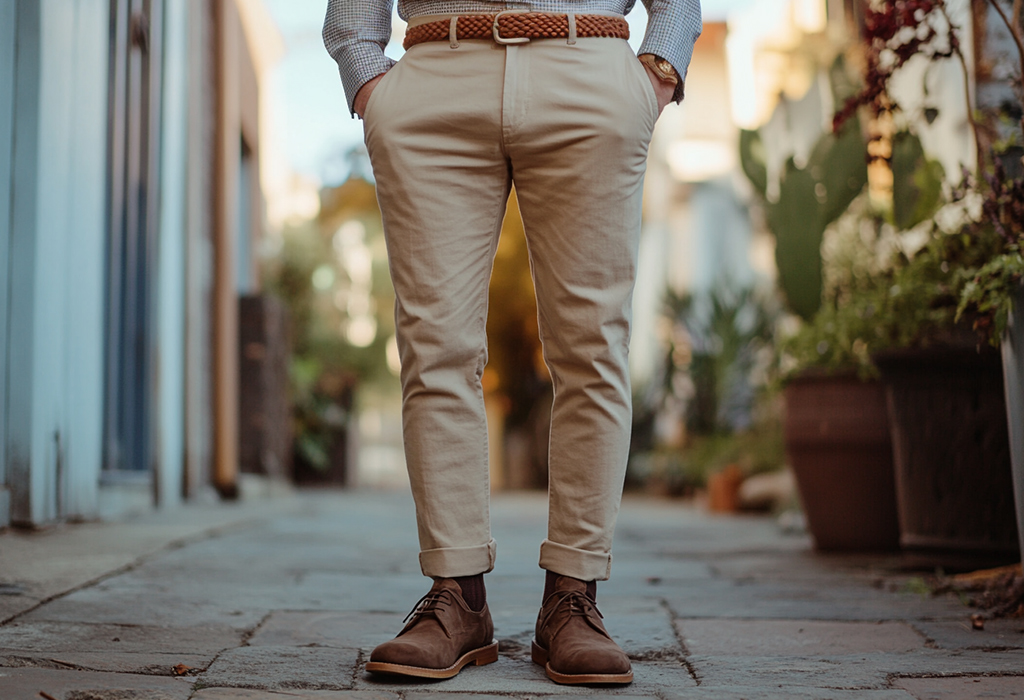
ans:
(403, 653)
(588, 661)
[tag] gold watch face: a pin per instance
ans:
(664, 69)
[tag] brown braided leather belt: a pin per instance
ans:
(517, 27)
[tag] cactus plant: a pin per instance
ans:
(809, 199)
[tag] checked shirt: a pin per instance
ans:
(356, 31)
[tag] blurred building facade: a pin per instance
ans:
(130, 215)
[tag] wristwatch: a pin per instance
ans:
(661, 67)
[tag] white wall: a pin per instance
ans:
(57, 252)
(7, 20)
(170, 442)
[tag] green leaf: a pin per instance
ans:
(753, 161)
(916, 182)
(796, 222)
(844, 170)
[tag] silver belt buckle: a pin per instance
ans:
(496, 30)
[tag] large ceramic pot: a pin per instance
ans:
(837, 439)
(1013, 381)
(950, 449)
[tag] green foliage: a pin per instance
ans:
(722, 335)
(752, 160)
(916, 182)
(797, 224)
(837, 340)
(991, 293)
(758, 449)
(909, 301)
(995, 283)
(809, 199)
(714, 366)
(325, 368)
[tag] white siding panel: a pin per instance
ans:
(86, 243)
(56, 258)
(173, 236)
(8, 18)
(22, 266)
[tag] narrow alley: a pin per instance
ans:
(284, 598)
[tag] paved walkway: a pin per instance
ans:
(284, 599)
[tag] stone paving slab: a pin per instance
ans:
(796, 600)
(40, 637)
(245, 694)
(958, 634)
(141, 663)
(850, 670)
(835, 672)
(795, 637)
(961, 688)
(641, 568)
(645, 633)
(78, 554)
(597, 693)
(346, 630)
(342, 591)
(100, 607)
(805, 565)
(291, 605)
(521, 677)
(784, 692)
(26, 683)
(12, 604)
(283, 668)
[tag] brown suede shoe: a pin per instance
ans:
(572, 644)
(442, 635)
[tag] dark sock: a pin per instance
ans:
(473, 591)
(549, 586)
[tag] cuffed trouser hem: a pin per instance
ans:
(577, 563)
(450, 562)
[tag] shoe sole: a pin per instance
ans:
(540, 657)
(479, 657)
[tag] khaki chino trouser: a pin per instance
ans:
(449, 129)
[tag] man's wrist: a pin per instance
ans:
(661, 68)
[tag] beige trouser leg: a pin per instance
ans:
(448, 130)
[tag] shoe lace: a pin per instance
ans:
(430, 604)
(578, 604)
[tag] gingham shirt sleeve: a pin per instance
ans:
(355, 34)
(672, 29)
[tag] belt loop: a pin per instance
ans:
(453, 36)
(572, 28)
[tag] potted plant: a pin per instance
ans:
(995, 294)
(837, 428)
(836, 431)
(944, 397)
(946, 410)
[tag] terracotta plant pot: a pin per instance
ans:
(724, 490)
(837, 439)
(951, 450)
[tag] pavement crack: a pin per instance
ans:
(355, 668)
(929, 643)
(955, 674)
(684, 657)
(171, 546)
(249, 634)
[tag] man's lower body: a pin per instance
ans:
(449, 130)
